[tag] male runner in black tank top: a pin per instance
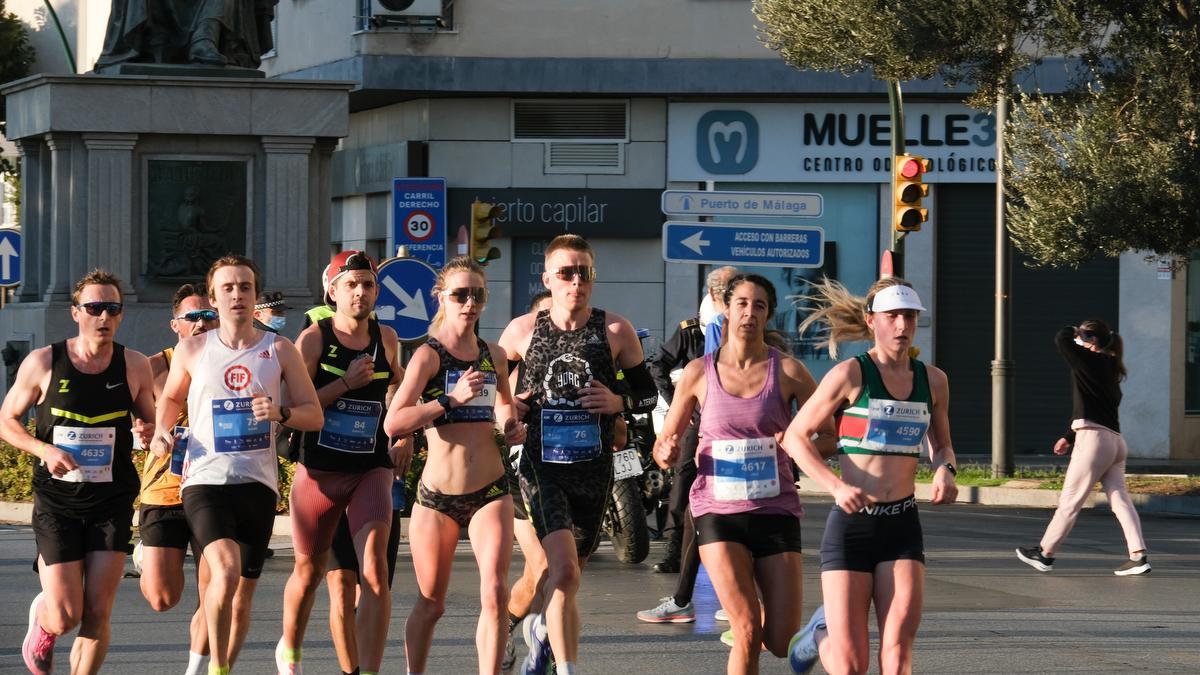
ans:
(85, 389)
(572, 352)
(347, 466)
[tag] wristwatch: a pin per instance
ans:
(284, 414)
(444, 401)
(950, 467)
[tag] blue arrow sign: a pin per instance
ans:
(743, 244)
(406, 297)
(10, 258)
(709, 203)
(419, 218)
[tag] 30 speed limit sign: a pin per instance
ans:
(419, 226)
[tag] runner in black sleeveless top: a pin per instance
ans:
(572, 352)
(85, 390)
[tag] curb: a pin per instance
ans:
(1036, 498)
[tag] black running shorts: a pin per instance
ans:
(568, 497)
(244, 512)
(342, 555)
(62, 538)
(164, 526)
(763, 534)
(880, 533)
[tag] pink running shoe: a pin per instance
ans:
(38, 648)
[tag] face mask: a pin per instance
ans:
(277, 323)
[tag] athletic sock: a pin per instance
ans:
(513, 620)
(566, 668)
(214, 669)
(195, 664)
(354, 672)
(290, 655)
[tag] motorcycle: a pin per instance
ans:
(639, 487)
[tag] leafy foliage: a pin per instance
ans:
(1110, 166)
(16, 58)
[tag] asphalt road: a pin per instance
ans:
(985, 612)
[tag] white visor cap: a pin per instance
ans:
(896, 297)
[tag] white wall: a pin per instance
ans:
(1152, 402)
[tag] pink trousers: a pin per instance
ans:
(1099, 455)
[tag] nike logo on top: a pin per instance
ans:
(113, 386)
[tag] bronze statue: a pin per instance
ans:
(207, 32)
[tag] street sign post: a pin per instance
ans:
(773, 204)
(419, 218)
(406, 297)
(10, 258)
(743, 244)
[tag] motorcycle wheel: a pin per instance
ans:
(627, 523)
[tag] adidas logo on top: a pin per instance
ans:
(264, 354)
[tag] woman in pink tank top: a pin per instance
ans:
(744, 499)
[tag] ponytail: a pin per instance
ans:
(843, 314)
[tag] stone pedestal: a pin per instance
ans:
(91, 146)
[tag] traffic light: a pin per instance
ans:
(908, 189)
(483, 230)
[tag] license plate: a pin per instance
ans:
(626, 464)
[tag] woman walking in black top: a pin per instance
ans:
(1094, 353)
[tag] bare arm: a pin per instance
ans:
(174, 394)
(689, 393)
(506, 411)
(305, 412)
(27, 389)
(941, 452)
(799, 386)
(308, 343)
(406, 414)
(141, 387)
(835, 389)
(514, 342)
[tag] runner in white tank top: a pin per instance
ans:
(227, 446)
(231, 379)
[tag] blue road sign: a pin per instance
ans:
(419, 218)
(720, 203)
(10, 258)
(743, 244)
(406, 297)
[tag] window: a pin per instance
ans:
(1191, 341)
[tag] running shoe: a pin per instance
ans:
(282, 666)
(1034, 558)
(802, 650)
(510, 655)
(727, 638)
(668, 612)
(1132, 567)
(38, 648)
(668, 565)
(537, 661)
(721, 615)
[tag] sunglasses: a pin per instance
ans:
(98, 308)
(461, 295)
(198, 315)
(584, 272)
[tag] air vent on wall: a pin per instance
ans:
(579, 136)
(585, 157)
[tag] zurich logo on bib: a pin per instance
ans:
(569, 433)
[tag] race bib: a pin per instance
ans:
(744, 469)
(179, 449)
(351, 426)
(896, 426)
(92, 449)
(569, 436)
(479, 409)
(235, 429)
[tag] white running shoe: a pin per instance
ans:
(282, 666)
(668, 612)
(721, 615)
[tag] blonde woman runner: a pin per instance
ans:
(888, 403)
(456, 386)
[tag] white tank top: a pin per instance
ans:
(226, 446)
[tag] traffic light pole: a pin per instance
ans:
(898, 148)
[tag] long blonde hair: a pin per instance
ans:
(842, 313)
(459, 264)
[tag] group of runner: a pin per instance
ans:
(210, 409)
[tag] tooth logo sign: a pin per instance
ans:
(727, 141)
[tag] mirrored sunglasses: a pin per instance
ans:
(460, 295)
(198, 315)
(98, 308)
(584, 272)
